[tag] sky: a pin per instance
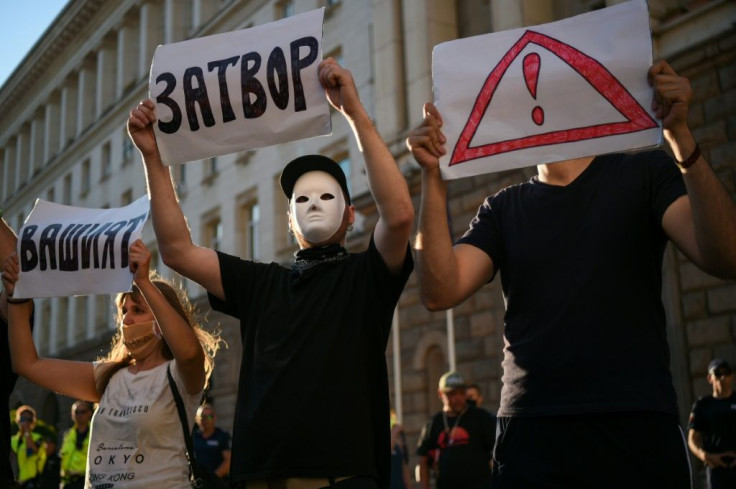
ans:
(22, 23)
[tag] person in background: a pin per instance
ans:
(400, 478)
(712, 427)
(75, 444)
(50, 477)
(473, 395)
(211, 444)
(26, 445)
(457, 443)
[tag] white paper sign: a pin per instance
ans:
(240, 90)
(65, 251)
(569, 89)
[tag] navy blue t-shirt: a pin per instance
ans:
(208, 451)
(715, 419)
(581, 272)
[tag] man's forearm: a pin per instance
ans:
(714, 211)
(385, 180)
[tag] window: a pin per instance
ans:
(180, 178)
(106, 162)
(249, 220)
(346, 169)
(86, 177)
(210, 170)
(213, 232)
(284, 9)
(51, 194)
(128, 149)
(126, 197)
(67, 193)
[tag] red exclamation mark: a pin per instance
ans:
(531, 75)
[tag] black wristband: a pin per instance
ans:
(17, 301)
(690, 159)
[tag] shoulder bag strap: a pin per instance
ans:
(183, 418)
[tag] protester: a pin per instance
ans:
(457, 443)
(26, 445)
(473, 395)
(712, 435)
(320, 327)
(75, 444)
(211, 444)
(50, 477)
(8, 241)
(580, 249)
(400, 478)
(135, 433)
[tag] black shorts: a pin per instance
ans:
(598, 451)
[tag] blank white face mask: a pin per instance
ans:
(317, 206)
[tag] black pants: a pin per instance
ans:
(721, 478)
(602, 451)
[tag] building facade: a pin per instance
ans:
(63, 139)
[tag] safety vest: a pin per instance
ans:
(73, 460)
(30, 465)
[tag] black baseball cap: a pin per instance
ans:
(719, 364)
(299, 166)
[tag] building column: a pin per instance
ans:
(9, 170)
(68, 113)
(106, 75)
(52, 127)
(36, 144)
(151, 35)
(174, 25)
(388, 53)
(510, 14)
(86, 95)
(127, 56)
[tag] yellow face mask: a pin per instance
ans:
(141, 339)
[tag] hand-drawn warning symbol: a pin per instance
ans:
(637, 118)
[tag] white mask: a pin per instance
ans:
(317, 206)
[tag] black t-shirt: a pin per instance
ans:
(581, 272)
(208, 451)
(461, 455)
(313, 387)
(715, 419)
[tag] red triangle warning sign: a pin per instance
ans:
(637, 119)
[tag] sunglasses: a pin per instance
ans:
(80, 411)
(209, 416)
(25, 419)
(721, 373)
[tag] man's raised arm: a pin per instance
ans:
(447, 275)
(387, 184)
(172, 232)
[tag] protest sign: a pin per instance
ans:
(240, 90)
(573, 88)
(64, 250)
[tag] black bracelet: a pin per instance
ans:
(17, 301)
(690, 159)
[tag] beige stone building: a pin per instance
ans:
(63, 139)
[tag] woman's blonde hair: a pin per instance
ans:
(118, 356)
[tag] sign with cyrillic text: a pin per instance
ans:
(65, 251)
(535, 95)
(240, 90)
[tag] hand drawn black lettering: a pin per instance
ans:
(108, 247)
(298, 64)
(197, 95)
(28, 252)
(276, 67)
(222, 65)
(173, 125)
(48, 242)
(89, 245)
(250, 85)
(124, 245)
(68, 251)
